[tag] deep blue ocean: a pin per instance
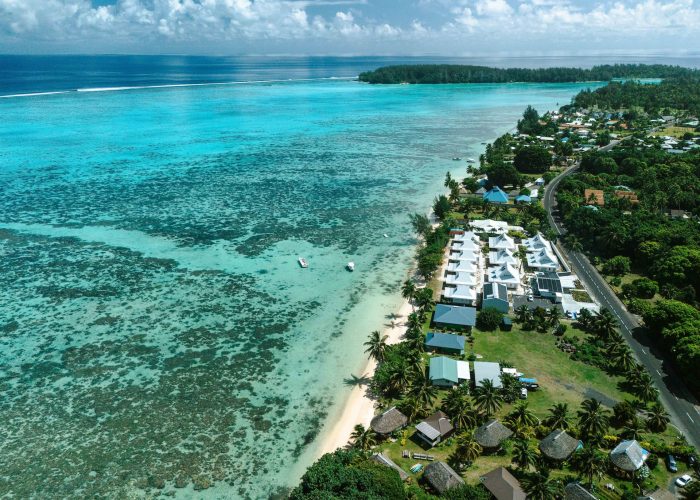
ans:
(157, 335)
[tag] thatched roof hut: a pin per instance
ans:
(574, 491)
(558, 445)
(503, 485)
(386, 461)
(442, 477)
(389, 421)
(492, 434)
(628, 455)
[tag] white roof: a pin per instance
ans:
(486, 370)
(464, 245)
(469, 235)
(463, 265)
(503, 257)
(463, 370)
(468, 255)
(490, 226)
(463, 292)
(542, 259)
(504, 274)
(534, 193)
(501, 241)
(536, 242)
(461, 279)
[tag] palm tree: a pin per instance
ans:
(408, 291)
(466, 451)
(424, 299)
(539, 486)
(558, 417)
(633, 428)
(522, 314)
(362, 438)
(521, 416)
(423, 390)
(523, 456)
(593, 419)
(553, 315)
(412, 408)
(458, 405)
(399, 379)
(376, 346)
(590, 463)
(646, 390)
(488, 398)
(623, 359)
(692, 491)
(605, 324)
(573, 243)
(414, 322)
(657, 418)
(585, 319)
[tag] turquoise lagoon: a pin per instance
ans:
(156, 332)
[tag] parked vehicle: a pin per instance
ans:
(682, 481)
(523, 393)
(530, 298)
(671, 464)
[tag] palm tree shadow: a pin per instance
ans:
(355, 381)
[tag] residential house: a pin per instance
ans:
(462, 245)
(462, 266)
(628, 455)
(492, 434)
(505, 274)
(466, 255)
(537, 242)
(434, 429)
(389, 421)
(503, 485)
(550, 286)
(629, 195)
(485, 370)
(574, 491)
(466, 236)
(503, 256)
(382, 459)
(490, 226)
(448, 372)
(448, 316)
(496, 195)
(461, 278)
(460, 294)
(501, 242)
(523, 199)
(543, 260)
(441, 477)
(445, 343)
(495, 295)
(559, 445)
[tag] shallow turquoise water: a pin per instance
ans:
(155, 329)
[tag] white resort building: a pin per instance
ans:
(501, 242)
(503, 256)
(505, 274)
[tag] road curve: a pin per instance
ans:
(682, 407)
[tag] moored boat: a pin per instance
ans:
(303, 263)
(350, 266)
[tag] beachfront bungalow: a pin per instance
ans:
(489, 226)
(388, 422)
(501, 242)
(468, 279)
(448, 372)
(460, 294)
(466, 236)
(503, 485)
(559, 446)
(441, 477)
(628, 456)
(454, 317)
(465, 255)
(495, 296)
(505, 274)
(500, 257)
(574, 491)
(434, 429)
(382, 459)
(496, 195)
(485, 370)
(491, 435)
(462, 266)
(445, 343)
(468, 245)
(542, 260)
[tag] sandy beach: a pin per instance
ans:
(359, 409)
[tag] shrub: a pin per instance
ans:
(617, 266)
(488, 319)
(652, 461)
(639, 306)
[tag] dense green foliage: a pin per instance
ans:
(348, 474)
(447, 73)
(532, 160)
(488, 319)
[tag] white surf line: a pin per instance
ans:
(179, 85)
(691, 418)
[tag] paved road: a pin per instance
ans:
(680, 403)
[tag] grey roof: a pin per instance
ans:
(495, 291)
(628, 455)
(389, 421)
(442, 477)
(492, 434)
(484, 370)
(455, 315)
(440, 422)
(503, 485)
(384, 460)
(428, 431)
(549, 283)
(574, 491)
(558, 445)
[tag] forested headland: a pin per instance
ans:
(454, 73)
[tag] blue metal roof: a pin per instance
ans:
(523, 198)
(455, 315)
(443, 368)
(496, 195)
(444, 341)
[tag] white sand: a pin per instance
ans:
(359, 409)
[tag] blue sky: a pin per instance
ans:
(350, 27)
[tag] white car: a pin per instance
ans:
(683, 480)
(523, 393)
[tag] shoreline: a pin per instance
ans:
(359, 408)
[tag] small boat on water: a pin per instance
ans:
(386, 235)
(471, 160)
(456, 158)
(351, 266)
(303, 263)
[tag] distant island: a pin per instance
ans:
(453, 73)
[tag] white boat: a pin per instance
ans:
(471, 160)
(303, 263)
(386, 235)
(351, 266)
(456, 158)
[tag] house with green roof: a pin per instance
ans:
(444, 343)
(448, 372)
